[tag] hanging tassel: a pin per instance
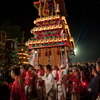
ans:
(49, 52)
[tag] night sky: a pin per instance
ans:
(83, 20)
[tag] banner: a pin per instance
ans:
(45, 9)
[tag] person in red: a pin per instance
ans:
(54, 72)
(40, 82)
(17, 88)
(83, 80)
(76, 85)
(28, 82)
(22, 73)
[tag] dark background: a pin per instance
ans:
(83, 19)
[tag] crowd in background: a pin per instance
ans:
(57, 82)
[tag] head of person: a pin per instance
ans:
(21, 66)
(90, 69)
(30, 68)
(47, 68)
(14, 72)
(98, 65)
(62, 66)
(40, 67)
(54, 67)
(86, 65)
(94, 71)
(80, 69)
(74, 69)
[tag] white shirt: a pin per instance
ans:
(48, 82)
(54, 73)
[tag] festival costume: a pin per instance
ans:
(17, 90)
(76, 85)
(61, 84)
(28, 83)
(39, 84)
(23, 74)
(50, 86)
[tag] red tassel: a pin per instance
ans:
(49, 52)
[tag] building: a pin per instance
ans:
(52, 43)
(23, 54)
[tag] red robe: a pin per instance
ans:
(76, 82)
(17, 90)
(23, 74)
(37, 76)
(57, 75)
(28, 78)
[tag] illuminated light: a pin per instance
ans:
(75, 50)
(71, 39)
(34, 21)
(55, 26)
(60, 26)
(58, 16)
(55, 17)
(30, 42)
(44, 28)
(39, 29)
(49, 18)
(25, 62)
(35, 51)
(63, 17)
(22, 49)
(51, 27)
(36, 29)
(84, 83)
(46, 18)
(43, 19)
(38, 19)
(44, 42)
(47, 27)
(66, 26)
(31, 31)
(62, 40)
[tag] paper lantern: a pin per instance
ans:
(34, 21)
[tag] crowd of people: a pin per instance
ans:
(57, 82)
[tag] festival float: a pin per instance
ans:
(52, 43)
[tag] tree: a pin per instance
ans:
(13, 31)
